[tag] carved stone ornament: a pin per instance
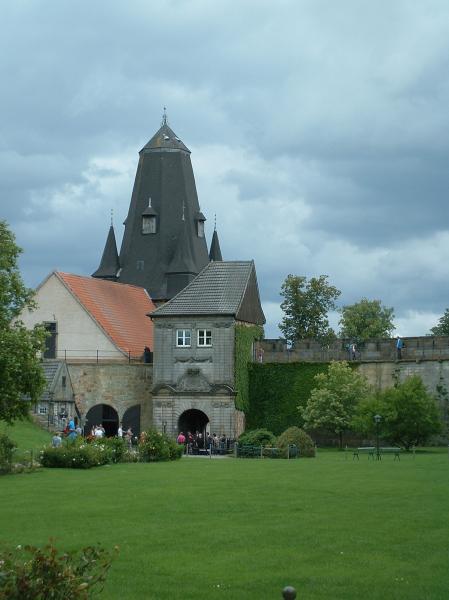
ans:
(193, 382)
(192, 359)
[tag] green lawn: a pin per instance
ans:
(200, 528)
(28, 436)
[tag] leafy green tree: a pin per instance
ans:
(410, 415)
(333, 400)
(306, 305)
(20, 370)
(443, 325)
(365, 320)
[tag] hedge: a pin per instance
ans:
(275, 390)
(244, 340)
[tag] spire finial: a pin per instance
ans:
(149, 201)
(164, 116)
(215, 222)
(112, 217)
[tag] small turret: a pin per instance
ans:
(109, 265)
(215, 251)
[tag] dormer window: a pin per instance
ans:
(200, 219)
(149, 220)
(148, 224)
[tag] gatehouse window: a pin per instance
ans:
(183, 338)
(204, 337)
(42, 409)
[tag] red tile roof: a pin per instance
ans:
(118, 308)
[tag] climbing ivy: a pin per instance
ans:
(276, 390)
(244, 339)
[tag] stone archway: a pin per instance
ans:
(102, 414)
(193, 420)
(131, 418)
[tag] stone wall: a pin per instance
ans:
(120, 385)
(434, 373)
(425, 347)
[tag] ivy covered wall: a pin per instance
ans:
(244, 339)
(274, 392)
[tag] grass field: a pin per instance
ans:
(226, 528)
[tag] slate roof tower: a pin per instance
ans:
(109, 265)
(163, 246)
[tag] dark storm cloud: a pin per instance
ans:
(319, 126)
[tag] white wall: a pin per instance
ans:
(78, 333)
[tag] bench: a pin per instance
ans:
(370, 450)
(393, 450)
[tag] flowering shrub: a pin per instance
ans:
(77, 455)
(31, 573)
(114, 446)
(6, 453)
(156, 446)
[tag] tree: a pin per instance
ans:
(365, 320)
(306, 305)
(410, 415)
(20, 370)
(332, 402)
(443, 325)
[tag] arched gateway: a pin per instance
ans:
(102, 414)
(193, 420)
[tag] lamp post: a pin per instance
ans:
(377, 419)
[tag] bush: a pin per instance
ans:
(257, 437)
(34, 573)
(6, 453)
(114, 446)
(155, 446)
(298, 437)
(77, 455)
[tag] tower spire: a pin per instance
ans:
(109, 264)
(215, 251)
(164, 117)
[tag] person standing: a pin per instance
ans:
(353, 351)
(56, 440)
(399, 346)
(129, 437)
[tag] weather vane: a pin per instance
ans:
(164, 116)
(112, 217)
(215, 222)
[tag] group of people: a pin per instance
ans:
(194, 443)
(126, 435)
(72, 430)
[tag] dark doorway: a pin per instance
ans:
(102, 414)
(193, 420)
(131, 418)
(50, 340)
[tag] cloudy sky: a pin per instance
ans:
(319, 133)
